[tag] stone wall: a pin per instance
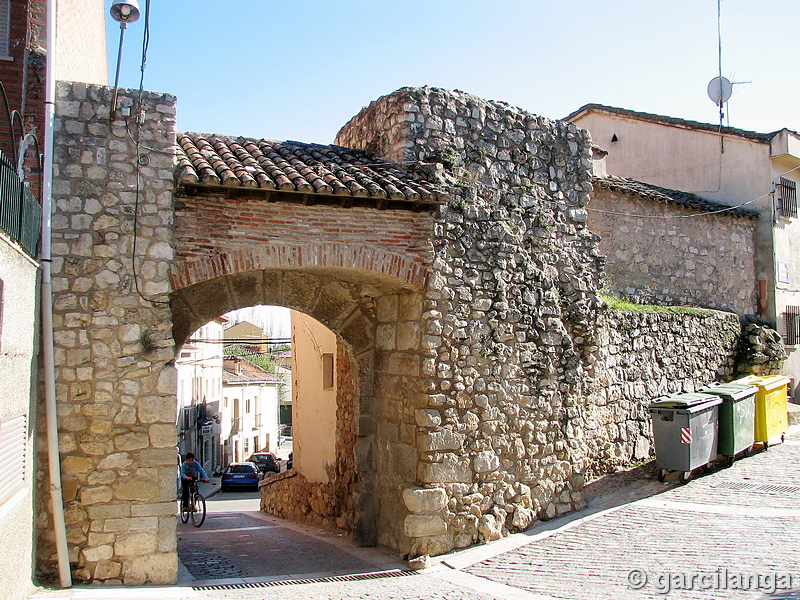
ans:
(509, 309)
(113, 334)
(670, 259)
(643, 355)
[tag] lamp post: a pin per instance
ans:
(123, 12)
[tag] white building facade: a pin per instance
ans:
(249, 415)
(199, 367)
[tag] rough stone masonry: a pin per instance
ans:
(509, 311)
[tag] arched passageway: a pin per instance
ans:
(376, 320)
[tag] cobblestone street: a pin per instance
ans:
(645, 540)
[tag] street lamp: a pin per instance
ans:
(123, 12)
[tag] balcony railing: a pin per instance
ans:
(20, 213)
(236, 424)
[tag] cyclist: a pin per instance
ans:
(191, 470)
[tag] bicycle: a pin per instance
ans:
(195, 509)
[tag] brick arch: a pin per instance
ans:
(412, 272)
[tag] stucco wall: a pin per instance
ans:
(313, 405)
(19, 348)
(81, 53)
(666, 255)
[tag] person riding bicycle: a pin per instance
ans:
(191, 470)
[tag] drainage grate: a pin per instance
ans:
(264, 584)
(736, 485)
(767, 488)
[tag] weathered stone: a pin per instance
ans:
(486, 461)
(445, 439)
(452, 469)
(425, 500)
(424, 525)
(433, 545)
(135, 544)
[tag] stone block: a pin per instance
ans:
(109, 511)
(428, 417)
(444, 439)
(118, 460)
(98, 553)
(424, 525)
(157, 409)
(424, 500)
(138, 543)
(158, 569)
(132, 441)
(452, 469)
(131, 524)
(432, 545)
(486, 461)
(96, 495)
(163, 435)
(490, 528)
(138, 489)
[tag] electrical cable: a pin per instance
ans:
(137, 164)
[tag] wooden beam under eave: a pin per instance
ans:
(309, 200)
(346, 202)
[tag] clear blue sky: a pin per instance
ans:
(300, 69)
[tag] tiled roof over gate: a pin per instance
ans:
(317, 172)
(668, 196)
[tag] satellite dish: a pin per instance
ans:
(719, 90)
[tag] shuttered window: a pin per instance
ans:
(5, 27)
(13, 438)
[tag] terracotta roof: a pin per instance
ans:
(668, 196)
(247, 372)
(664, 120)
(310, 172)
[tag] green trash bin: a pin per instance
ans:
(737, 417)
(685, 432)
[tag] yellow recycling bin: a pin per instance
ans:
(771, 411)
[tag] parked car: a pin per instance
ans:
(240, 475)
(266, 461)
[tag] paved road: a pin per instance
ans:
(711, 535)
(237, 541)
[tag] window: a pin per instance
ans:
(791, 321)
(5, 27)
(787, 198)
(13, 439)
(247, 406)
(327, 370)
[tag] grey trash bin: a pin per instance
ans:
(685, 432)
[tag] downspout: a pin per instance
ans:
(48, 353)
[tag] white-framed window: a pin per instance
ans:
(13, 442)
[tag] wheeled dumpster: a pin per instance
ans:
(736, 417)
(772, 417)
(684, 432)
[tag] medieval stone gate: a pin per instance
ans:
(460, 279)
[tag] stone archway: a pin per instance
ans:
(376, 317)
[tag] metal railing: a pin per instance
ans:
(787, 198)
(20, 213)
(791, 320)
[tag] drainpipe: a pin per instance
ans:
(48, 353)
